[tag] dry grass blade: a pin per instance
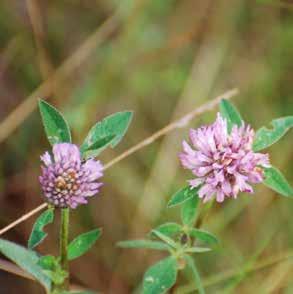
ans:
(180, 123)
(24, 109)
(217, 278)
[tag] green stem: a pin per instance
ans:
(195, 273)
(64, 230)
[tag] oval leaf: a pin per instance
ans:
(266, 137)
(168, 229)
(182, 195)
(25, 259)
(56, 127)
(37, 234)
(189, 211)
(277, 182)
(231, 114)
(156, 245)
(82, 243)
(115, 124)
(196, 276)
(98, 145)
(204, 236)
(160, 277)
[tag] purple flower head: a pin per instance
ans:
(66, 180)
(224, 164)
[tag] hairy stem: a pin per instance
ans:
(64, 229)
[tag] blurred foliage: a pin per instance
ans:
(163, 58)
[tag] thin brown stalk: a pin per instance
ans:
(23, 218)
(179, 123)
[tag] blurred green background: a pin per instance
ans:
(159, 58)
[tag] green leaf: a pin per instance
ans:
(100, 144)
(47, 262)
(197, 249)
(196, 276)
(277, 182)
(52, 268)
(189, 211)
(231, 114)
(115, 124)
(265, 137)
(156, 245)
(83, 243)
(56, 127)
(25, 259)
(204, 236)
(165, 238)
(37, 234)
(182, 195)
(160, 277)
(169, 229)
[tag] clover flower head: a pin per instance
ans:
(66, 180)
(224, 163)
